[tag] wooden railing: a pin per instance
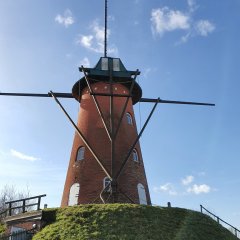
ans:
(220, 221)
(3, 214)
(23, 205)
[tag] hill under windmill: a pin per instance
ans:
(129, 221)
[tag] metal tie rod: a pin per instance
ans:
(158, 100)
(61, 95)
(82, 137)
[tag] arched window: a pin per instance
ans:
(135, 155)
(107, 184)
(142, 194)
(73, 194)
(129, 119)
(80, 153)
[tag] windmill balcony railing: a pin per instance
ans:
(3, 214)
(22, 205)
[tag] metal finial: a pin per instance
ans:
(105, 33)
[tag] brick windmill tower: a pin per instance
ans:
(106, 164)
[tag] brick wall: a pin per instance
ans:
(87, 172)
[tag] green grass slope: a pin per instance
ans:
(126, 221)
(2, 228)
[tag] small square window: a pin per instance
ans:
(104, 63)
(116, 64)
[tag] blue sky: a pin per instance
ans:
(185, 50)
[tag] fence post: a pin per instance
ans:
(39, 201)
(218, 219)
(10, 209)
(236, 234)
(23, 206)
(201, 208)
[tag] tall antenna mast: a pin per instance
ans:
(105, 33)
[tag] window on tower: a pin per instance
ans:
(104, 63)
(80, 153)
(107, 184)
(74, 194)
(142, 194)
(135, 155)
(129, 119)
(116, 64)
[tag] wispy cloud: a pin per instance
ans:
(192, 5)
(165, 20)
(85, 62)
(167, 188)
(187, 180)
(202, 173)
(146, 72)
(95, 40)
(185, 186)
(68, 55)
(204, 27)
(136, 1)
(198, 189)
(66, 19)
(23, 156)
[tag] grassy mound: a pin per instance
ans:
(2, 228)
(126, 221)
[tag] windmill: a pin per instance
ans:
(106, 163)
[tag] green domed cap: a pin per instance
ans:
(105, 68)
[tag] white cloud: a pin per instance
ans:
(166, 20)
(204, 27)
(85, 62)
(198, 189)
(95, 40)
(66, 19)
(187, 180)
(192, 5)
(22, 156)
(168, 188)
(86, 41)
(99, 32)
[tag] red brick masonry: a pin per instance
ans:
(87, 172)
